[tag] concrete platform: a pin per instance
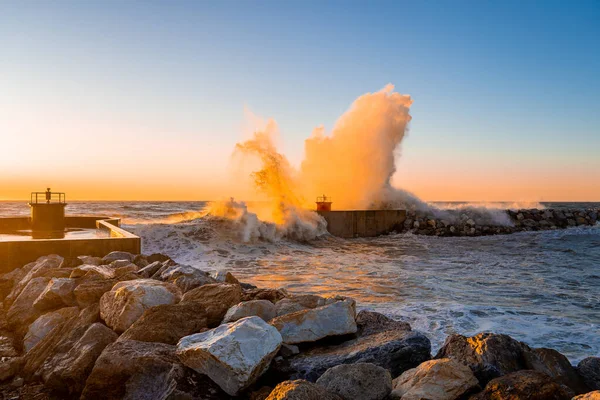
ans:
(103, 236)
(363, 223)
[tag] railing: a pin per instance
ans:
(324, 199)
(47, 197)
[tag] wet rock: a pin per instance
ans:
(126, 301)
(130, 369)
(117, 255)
(555, 365)
(22, 313)
(357, 381)
(488, 355)
(58, 342)
(263, 309)
(301, 390)
(311, 325)
(525, 384)
(45, 323)
(394, 350)
(69, 372)
(58, 293)
(185, 277)
(167, 323)
(589, 370)
(233, 355)
(442, 379)
(216, 299)
(369, 322)
(273, 295)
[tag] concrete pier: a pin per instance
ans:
(363, 223)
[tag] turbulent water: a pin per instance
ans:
(539, 287)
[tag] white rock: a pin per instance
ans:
(126, 301)
(311, 325)
(442, 379)
(260, 308)
(44, 324)
(233, 355)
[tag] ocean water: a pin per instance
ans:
(539, 287)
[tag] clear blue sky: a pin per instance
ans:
(506, 87)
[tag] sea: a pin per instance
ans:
(542, 287)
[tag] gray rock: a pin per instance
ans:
(216, 299)
(288, 306)
(357, 381)
(186, 277)
(22, 313)
(394, 350)
(45, 324)
(58, 293)
(589, 370)
(150, 269)
(263, 309)
(311, 325)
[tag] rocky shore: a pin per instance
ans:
(473, 222)
(144, 327)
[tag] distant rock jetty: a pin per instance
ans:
(144, 327)
(495, 222)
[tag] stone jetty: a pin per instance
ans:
(144, 327)
(479, 222)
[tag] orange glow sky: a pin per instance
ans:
(122, 102)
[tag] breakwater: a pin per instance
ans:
(477, 222)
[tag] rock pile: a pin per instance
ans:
(474, 223)
(144, 327)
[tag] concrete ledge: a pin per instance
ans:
(14, 254)
(363, 223)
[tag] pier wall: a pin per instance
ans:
(363, 223)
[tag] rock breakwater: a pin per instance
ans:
(144, 327)
(475, 222)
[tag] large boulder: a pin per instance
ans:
(288, 306)
(33, 270)
(45, 323)
(314, 324)
(90, 291)
(369, 322)
(58, 293)
(589, 370)
(394, 350)
(232, 355)
(556, 366)
(301, 390)
(526, 384)
(488, 355)
(22, 313)
(40, 359)
(127, 301)
(442, 379)
(167, 323)
(70, 371)
(260, 308)
(186, 277)
(357, 381)
(117, 255)
(216, 298)
(130, 369)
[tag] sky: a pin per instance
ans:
(145, 100)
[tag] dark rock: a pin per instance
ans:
(589, 370)
(157, 257)
(117, 255)
(273, 295)
(357, 381)
(140, 260)
(555, 365)
(394, 350)
(301, 390)
(370, 322)
(168, 323)
(216, 299)
(70, 371)
(150, 269)
(531, 385)
(130, 369)
(488, 355)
